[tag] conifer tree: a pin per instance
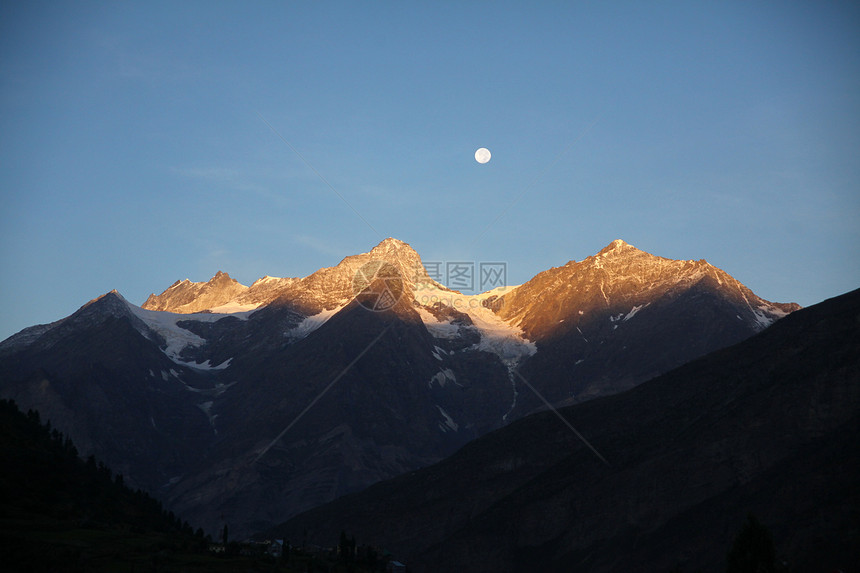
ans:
(752, 551)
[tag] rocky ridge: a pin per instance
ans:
(187, 297)
(325, 289)
(621, 280)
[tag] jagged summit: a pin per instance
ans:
(616, 246)
(333, 287)
(619, 278)
(187, 297)
(619, 249)
(393, 251)
(391, 244)
(325, 289)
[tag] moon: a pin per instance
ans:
(482, 155)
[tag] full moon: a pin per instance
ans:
(482, 155)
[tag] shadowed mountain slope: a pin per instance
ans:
(769, 425)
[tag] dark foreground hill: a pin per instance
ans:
(770, 426)
(61, 513)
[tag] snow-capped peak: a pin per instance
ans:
(390, 245)
(616, 247)
(264, 280)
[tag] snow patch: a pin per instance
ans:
(205, 365)
(438, 352)
(266, 279)
(207, 407)
(633, 312)
(449, 423)
(172, 481)
(178, 338)
(442, 377)
(777, 312)
(233, 308)
(437, 328)
(515, 394)
(622, 317)
(497, 336)
(762, 320)
(312, 323)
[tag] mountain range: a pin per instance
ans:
(249, 405)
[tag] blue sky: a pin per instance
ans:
(135, 151)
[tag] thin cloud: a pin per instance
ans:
(228, 178)
(216, 174)
(319, 245)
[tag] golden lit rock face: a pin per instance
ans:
(187, 297)
(332, 287)
(618, 282)
(326, 289)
